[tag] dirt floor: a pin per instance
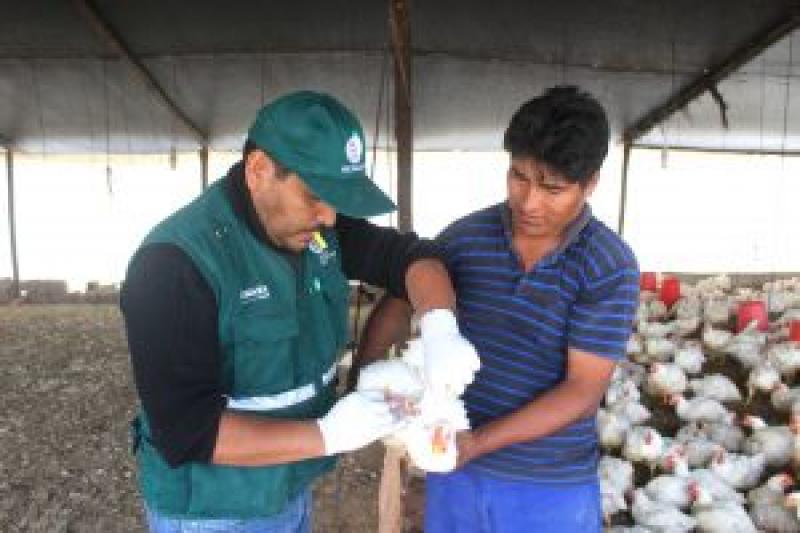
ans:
(66, 398)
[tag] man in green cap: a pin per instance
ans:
(236, 309)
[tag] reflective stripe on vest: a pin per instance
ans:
(280, 401)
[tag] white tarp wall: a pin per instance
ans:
(687, 212)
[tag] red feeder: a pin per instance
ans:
(670, 291)
(648, 281)
(794, 330)
(752, 310)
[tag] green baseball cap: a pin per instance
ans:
(314, 135)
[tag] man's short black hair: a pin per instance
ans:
(565, 128)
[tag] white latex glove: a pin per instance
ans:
(450, 360)
(356, 420)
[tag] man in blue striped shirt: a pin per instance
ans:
(547, 294)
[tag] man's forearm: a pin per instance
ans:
(387, 325)
(428, 286)
(249, 440)
(547, 414)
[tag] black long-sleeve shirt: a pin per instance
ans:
(171, 319)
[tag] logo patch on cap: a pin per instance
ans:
(354, 149)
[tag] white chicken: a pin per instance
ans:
(685, 327)
(665, 379)
(718, 487)
(785, 357)
(784, 398)
(611, 429)
(655, 329)
(763, 377)
(631, 371)
(643, 444)
(659, 516)
(621, 389)
(739, 471)
(777, 443)
(669, 489)
(773, 490)
(656, 310)
(616, 479)
(715, 516)
(715, 339)
(717, 309)
(728, 434)
(631, 409)
(657, 349)
(714, 285)
(689, 356)
(634, 345)
(688, 307)
(433, 418)
(700, 409)
(717, 387)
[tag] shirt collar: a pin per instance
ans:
(571, 233)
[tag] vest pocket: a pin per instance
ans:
(263, 348)
(336, 291)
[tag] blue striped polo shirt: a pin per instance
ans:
(583, 295)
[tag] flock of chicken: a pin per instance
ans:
(700, 428)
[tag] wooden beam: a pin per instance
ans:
(400, 31)
(95, 20)
(732, 151)
(623, 195)
(12, 226)
(204, 166)
(772, 33)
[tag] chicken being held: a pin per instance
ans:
(433, 417)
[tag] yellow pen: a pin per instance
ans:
(320, 240)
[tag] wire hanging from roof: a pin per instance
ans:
(173, 150)
(37, 95)
(107, 105)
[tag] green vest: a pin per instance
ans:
(281, 329)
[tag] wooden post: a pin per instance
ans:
(400, 29)
(12, 228)
(623, 197)
(204, 166)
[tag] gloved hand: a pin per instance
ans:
(356, 420)
(450, 360)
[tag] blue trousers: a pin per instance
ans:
(471, 501)
(296, 518)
